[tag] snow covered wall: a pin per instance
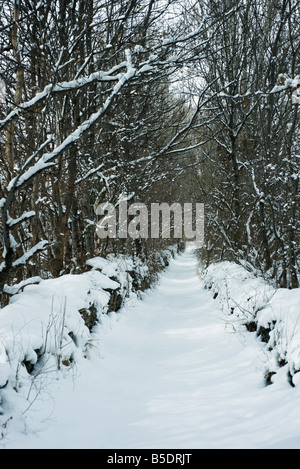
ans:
(48, 327)
(272, 314)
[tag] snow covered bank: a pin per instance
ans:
(47, 328)
(273, 314)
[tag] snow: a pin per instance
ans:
(13, 289)
(174, 369)
(108, 268)
(247, 299)
(25, 216)
(27, 255)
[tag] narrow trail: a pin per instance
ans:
(172, 374)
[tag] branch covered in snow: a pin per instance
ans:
(284, 83)
(29, 254)
(63, 87)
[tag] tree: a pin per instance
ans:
(78, 92)
(252, 127)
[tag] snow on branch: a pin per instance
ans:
(27, 255)
(192, 35)
(90, 173)
(284, 83)
(62, 87)
(14, 289)
(46, 159)
(4, 202)
(11, 222)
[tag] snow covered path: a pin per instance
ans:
(172, 374)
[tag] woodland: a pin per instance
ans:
(162, 100)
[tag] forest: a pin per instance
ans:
(162, 100)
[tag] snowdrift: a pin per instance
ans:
(272, 314)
